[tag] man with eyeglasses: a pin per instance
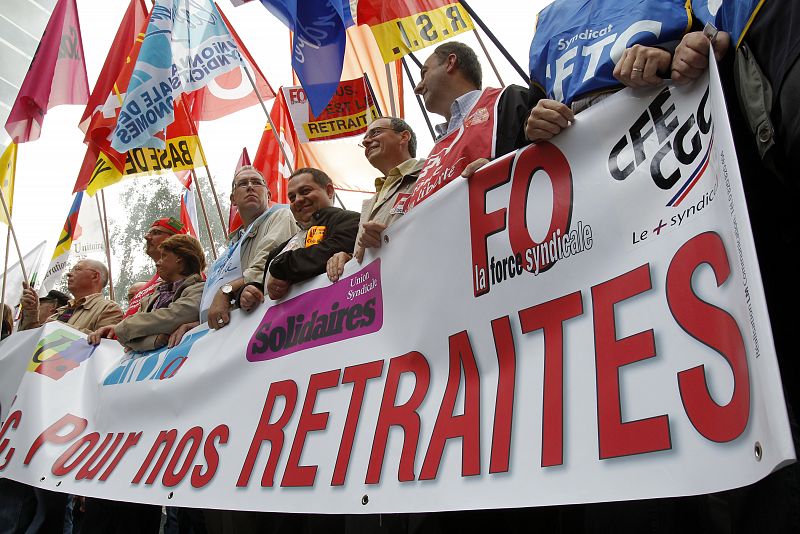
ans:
(159, 231)
(87, 311)
(263, 228)
(390, 145)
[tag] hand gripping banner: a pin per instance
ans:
(581, 321)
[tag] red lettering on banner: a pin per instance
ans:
(171, 478)
(483, 224)
(130, 442)
(295, 474)
(544, 157)
(51, 434)
(550, 317)
(90, 469)
(618, 438)
(165, 438)
(61, 468)
(504, 399)
(12, 421)
(358, 375)
(715, 328)
(466, 426)
(200, 479)
(404, 416)
(548, 158)
(272, 432)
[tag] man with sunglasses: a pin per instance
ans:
(263, 228)
(390, 145)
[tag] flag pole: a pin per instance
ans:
(13, 234)
(5, 272)
(205, 214)
(269, 119)
(419, 99)
(494, 40)
(205, 164)
(391, 90)
(491, 61)
(104, 231)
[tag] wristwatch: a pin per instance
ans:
(227, 290)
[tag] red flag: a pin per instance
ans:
(133, 20)
(231, 91)
(57, 75)
(269, 158)
(234, 219)
(102, 121)
(188, 207)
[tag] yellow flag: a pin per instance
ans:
(8, 166)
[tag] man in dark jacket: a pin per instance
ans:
(324, 231)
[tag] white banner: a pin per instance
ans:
(582, 321)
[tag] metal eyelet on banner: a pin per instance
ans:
(365, 499)
(758, 451)
(386, 239)
(170, 495)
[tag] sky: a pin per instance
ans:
(48, 167)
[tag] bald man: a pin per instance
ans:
(87, 311)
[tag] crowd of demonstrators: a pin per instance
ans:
(277, 247)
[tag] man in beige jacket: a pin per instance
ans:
(390, 145)
(87, 311)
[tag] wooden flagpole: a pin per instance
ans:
(269, 119)
(392, 105)
(208, 171)
(13, 234)
(205, 214)
(104, 231)
(419, 100)
(5, 271)
(491, 61)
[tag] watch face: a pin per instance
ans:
(227, 289)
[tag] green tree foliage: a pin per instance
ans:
(143, 200)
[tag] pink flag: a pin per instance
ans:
(57, 75)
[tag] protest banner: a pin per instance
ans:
(349, 112)
(581, 321)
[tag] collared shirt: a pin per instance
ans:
(88, 313)
(459, 109)
(385, 183)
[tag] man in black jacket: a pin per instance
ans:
(324, 231)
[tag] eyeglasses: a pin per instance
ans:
(255, 182)
(371, 134)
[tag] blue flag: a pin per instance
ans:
(577, 43)
(319, 43)
(731, 16)
(185, 47)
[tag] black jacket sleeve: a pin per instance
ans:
(341, 227)
(512, 113)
